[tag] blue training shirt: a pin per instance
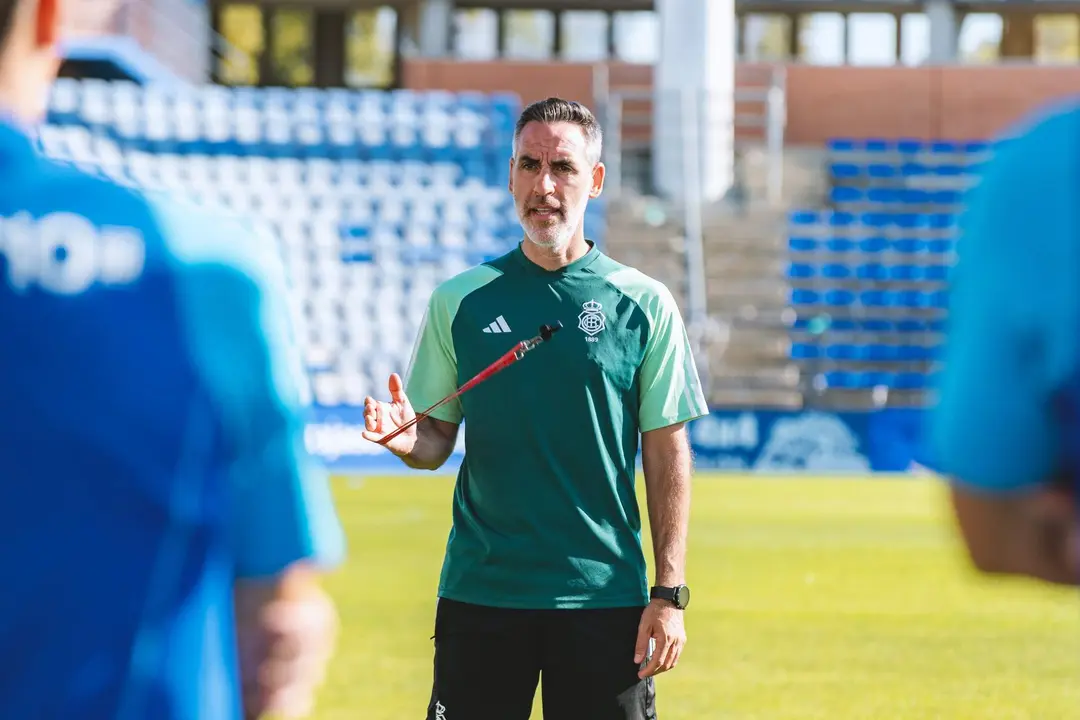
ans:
(151, 415)
(1006, 414)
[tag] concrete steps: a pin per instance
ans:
(745, 243)
(744, 261)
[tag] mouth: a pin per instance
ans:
(545, 212)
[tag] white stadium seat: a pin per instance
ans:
(372, 199)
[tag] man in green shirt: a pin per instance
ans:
(544, 571)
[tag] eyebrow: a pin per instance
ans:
(556, 161)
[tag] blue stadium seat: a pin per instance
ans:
(839, 298)
(845, 171)
(841, 194)
(839, 221)
(842, 325)
(905, 273)
(835, 271)
(875, 379)
(876, 325)
(881, 353)
(910, 381)
(937, 325)
(800, 296)
(873, 244)
(804, 218)
(841, 145)
(945, 222)
(874, 298)
(936, 273)
(840, 245)
(843, 351)
(913, 170)
(908, 246)
(909, 146)
(842, 380)
(940, 247)
(913, 299)
(881, 171)
(883, 196)
(873, 272)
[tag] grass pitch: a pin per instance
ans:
(812, 598)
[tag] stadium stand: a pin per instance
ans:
(869, 273)
(373, 196)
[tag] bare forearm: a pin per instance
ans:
(435, 442)
(667, 484)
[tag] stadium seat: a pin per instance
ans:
(342, 179)
(879, 258)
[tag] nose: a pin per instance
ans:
(545, 183)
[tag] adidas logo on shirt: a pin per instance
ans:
(499, 326)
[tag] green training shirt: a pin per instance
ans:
(545, 513)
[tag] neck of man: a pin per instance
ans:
(555, 258)
(14, 104)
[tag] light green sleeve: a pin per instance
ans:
(433, 373)
(670, 389)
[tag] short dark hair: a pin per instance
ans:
(554, 110)
(8, 9)
(7, 19)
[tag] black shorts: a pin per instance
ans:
(488, 662)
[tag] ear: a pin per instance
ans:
(47, 23)
(510, 182)
(598, 174)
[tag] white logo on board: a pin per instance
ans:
(814, 441)
(591, 320)
(440, 711)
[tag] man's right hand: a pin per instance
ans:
(382, 418)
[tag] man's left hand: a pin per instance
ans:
(662, 622)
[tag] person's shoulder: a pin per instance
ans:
(457, 287)
(63, 187)
(1061, 116)
(1044, 141)
(648, 292)
(174, 228)
(196, 235)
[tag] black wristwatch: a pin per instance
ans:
(678, 595)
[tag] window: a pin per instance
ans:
(767, 38)
(1056, 38)
(821, 38)
(584, 35)
(637, 36)
(476, 34)
(241, 27)
(872, 39)
(370, 36)
(914, 38)
(291, 47)
(528, 34)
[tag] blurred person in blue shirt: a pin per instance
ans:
(1006, 429)
(162, 530)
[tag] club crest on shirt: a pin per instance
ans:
(591, 320)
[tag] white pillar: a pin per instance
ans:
(436, 21)
(693, 98)
(944, 32)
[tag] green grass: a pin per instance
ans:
(812, 598)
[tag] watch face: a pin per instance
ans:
(682, 596)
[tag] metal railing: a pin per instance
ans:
(628, 116)
(758, 120)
